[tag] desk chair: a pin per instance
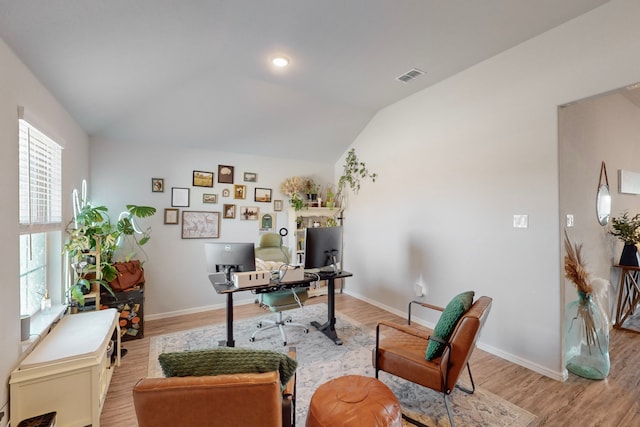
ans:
(271, 249)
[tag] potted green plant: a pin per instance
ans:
(330, 199)
(92, 231)
(353, 172)
(311, 189)
(627, 229)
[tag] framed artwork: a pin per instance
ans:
(179, 197)
(249, 213)
(157, 185)
(239, 191)
(200, 225)
(229, 211)
(171, 216)
(202, 179)
(250, 177)
(225, 192)
(262, 195)
(209, 198)
(277, 205)
(266, 222)
(225, 174)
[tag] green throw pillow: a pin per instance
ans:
(456, 308)
(226, 360)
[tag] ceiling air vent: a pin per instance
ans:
(410, 75)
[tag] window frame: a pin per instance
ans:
(40, 207)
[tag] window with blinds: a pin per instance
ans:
(40, 180)
(40, 183)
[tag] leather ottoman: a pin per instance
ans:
(355, 401)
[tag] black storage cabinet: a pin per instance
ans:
(130, 305)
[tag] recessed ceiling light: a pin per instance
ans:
(280, 61)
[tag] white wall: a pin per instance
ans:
(458, 160)
(176, 274)
(19, 87)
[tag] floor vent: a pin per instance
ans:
(410, 75)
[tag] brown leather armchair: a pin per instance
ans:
(250, 399)
(400, 350)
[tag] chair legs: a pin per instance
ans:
(444, 395)
(280, 323)
(473, 386)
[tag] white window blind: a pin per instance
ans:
(40, 181)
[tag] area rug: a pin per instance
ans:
(320, 360)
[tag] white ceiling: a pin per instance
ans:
(196, 73)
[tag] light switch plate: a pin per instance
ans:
(569, 220)
(521, 221)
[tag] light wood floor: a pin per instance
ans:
(576, 402)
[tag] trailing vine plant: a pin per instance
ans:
(354, 171)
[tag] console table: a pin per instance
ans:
(628, 295)
(69, 371)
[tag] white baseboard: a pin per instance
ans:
(555, 375)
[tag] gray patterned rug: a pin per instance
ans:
(321, 360)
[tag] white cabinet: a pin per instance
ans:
(69, 371)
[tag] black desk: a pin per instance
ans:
(328, 328)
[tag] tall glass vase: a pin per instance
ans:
(586, 342)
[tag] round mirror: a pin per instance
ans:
(603, 204)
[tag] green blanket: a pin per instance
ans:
(226, 360)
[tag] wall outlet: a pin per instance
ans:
(419, 290)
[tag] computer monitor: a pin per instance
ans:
(323, 248)
(228, 258)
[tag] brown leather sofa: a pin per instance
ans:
(252, 399)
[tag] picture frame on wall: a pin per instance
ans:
(202, 179)
(226, 192)
(250, 177)
(267, 222)
(249, 213)
(262, 195)
(239, 191)
(277, 205)
(209, 198)
(229, 211)
(171, 215)
(179, 197)
(200, 225)
(157, 185)
(225, 174)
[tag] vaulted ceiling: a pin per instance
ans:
(197, 72)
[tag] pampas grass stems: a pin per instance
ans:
(577, 273)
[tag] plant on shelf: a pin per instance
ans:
(292, 187)
(331, 197)
(627, 229)
(311, 189)
(91, 231)
(353, 172)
